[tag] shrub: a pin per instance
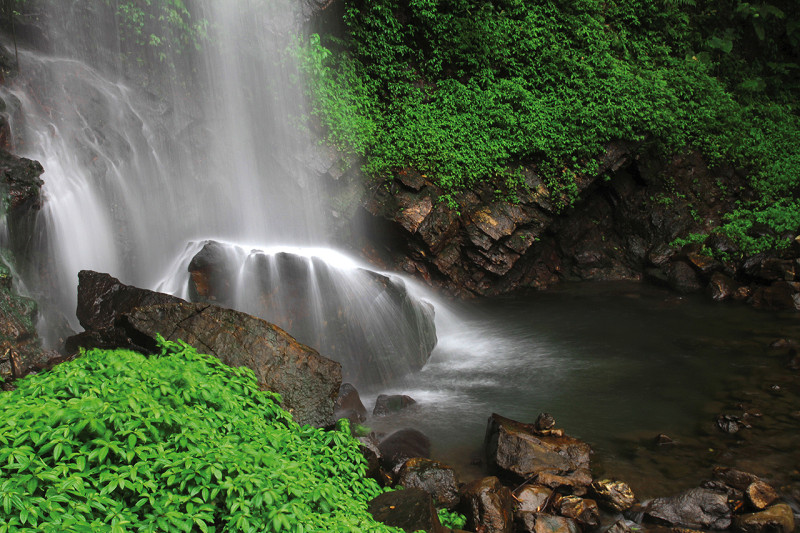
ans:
(117, 441)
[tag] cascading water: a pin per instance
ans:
(131, 178)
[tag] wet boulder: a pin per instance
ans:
(410, 509)
(369, 322)
(121, 316)
(776, 519)
(348, 405)
(532, 500)
(435, 478)
(722, 287)
(683, 278)
(402, 445)
(614, 495)
(388, 404)
(102, 301)
(307, 381)
(696, 508)
(584, 511)
(760, 495)
(546, 523)
(732, 477)
(555, 460)
(488, 506)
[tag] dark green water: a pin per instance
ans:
(615, 363)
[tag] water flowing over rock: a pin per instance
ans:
(369, 322)
(696, 508)
(118, 315)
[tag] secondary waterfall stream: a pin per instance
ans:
(134, 184)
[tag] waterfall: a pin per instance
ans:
(133, 177)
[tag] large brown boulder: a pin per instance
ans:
(118, 315)
(554, 459)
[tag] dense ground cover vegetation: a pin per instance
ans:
(115, 441)
(465, 91)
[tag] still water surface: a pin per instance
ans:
(615, 363)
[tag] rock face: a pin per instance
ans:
(20, 188)
(369, 322)
(21, 349)
(622, 227)
(695, 509)
(124, 316)
(553, 459)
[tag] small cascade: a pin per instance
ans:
(370, 322)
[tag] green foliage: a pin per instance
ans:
(464, 91)
(162, 26)
(452, 519)
(115, 441)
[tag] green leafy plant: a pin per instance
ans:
(452, 519)
(464, 91)
(115, 441)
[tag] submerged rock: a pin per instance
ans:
(696, 509)
(388, 404)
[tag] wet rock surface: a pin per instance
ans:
(696, 509)
(119, 315)
(551, 458)
(369, 322)
(435, 478)
(402, 445)
(776, 519)
(488, 506)
(348, 405)
(410, 509)
(388, 404)
(624, 226)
